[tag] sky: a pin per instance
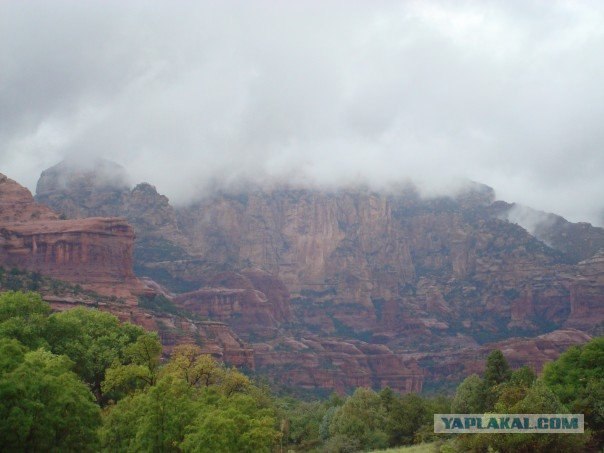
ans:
(191, 96)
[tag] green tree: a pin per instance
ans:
(24, 317)
(497, 369)
(362, 420)
(94, 340)
(497, 372)
(177, 410)
(197, 369)
(516, 389)
(539, 400)
(301, 423)
(405, 416)
(469, 396)
(577, 378)
(232, 423)
(151, 420)
(139, 366)
(44, 406)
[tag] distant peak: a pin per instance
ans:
(77, 173)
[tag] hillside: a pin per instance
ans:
(347, 288)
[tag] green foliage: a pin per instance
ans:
(361, 420)
(497, 370)
(152, 420)
(302, 423)
(94, 340)
(44, 405)
(515, 390)
(231, 423)
(470, 396)
(575, 369)
(24, 317)
(195, 405)
(412, 414)
(496, 373)
(541, 400)
(577, 378)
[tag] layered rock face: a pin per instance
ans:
(534, 352)
(17, 204)
(95, 251)
(214, 338)
(253, 302)
(332, 363)
(334, 289)
(587, 293)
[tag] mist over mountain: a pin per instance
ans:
(195, 96)
(368, 275)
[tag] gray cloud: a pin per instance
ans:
(190, 95)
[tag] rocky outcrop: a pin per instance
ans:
(95, 252)
(17, 204)
(214, 338)
(534, 352)
(587, 294)
(95, 188)
(247, 310)
(314, 362)
(318, 271)
(577, 241)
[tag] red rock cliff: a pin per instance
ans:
(94, 251)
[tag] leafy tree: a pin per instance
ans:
(120, 424)
(405, 416)
(94, 340)
(11, 354)
(577, 378)
(197, 369)
(540, 400)
(301, 423)
(44, 406)
(24, 317)
(497, 369)
(340, 443)
(178, 411)
(362, 420)
(470, 396)
(516, 389)
(496, 373)
(232, 423)
(326, 422)
(139, 368)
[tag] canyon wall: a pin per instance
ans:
(334, 289)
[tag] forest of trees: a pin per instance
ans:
(80, 380)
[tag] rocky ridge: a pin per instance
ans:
(96, 254)
(376, 278)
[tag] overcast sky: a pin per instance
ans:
(188, 95)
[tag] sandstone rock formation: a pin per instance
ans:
(214, 338)
(387, 280)
(17, 204)
(96, 252)
(534, 352)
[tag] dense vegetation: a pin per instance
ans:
(80, 380)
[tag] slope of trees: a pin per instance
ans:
(82, 381)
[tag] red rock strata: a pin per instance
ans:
(96, 252)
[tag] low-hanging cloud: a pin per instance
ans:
(190, 95)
